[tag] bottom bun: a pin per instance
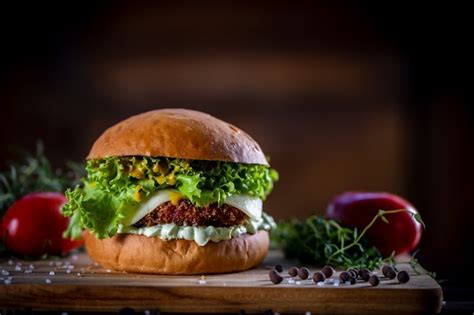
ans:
(138, 253)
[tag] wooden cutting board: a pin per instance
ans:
(89, 287)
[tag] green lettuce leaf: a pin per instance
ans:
(116, 185)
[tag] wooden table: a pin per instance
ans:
(89, 287)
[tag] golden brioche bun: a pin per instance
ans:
(142, 254)
(178, 133)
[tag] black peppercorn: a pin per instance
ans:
(293, 271)
(387, 269)
(327, 271)
(279, 268)
(303, 273)
(403, 276)
(353, 272)
(365, 275)
(374, 280)
(352, 280)
(275, 277)
(344, 276)
(318, 277)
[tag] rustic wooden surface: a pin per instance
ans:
(89, 287)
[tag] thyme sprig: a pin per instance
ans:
(323, 241)
(33, 174)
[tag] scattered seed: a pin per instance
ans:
(403, 276)
(388, 272)
(293, 271)
(275, 277)
(344, 276)
(374, 280)
(303, 273)
(52, 273)
(279, 268)
(47, 280)
(328, 271)
(318, 277)
(353, 272)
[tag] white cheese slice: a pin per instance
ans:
(251, 206)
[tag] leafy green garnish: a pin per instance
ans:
(115, 185)
(316, 239)
(323, 241)
(34, 174)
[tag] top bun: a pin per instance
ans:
(178, 133)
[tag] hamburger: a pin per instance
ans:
(173, 191)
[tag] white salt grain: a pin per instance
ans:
(28, 271)
(298, 282)
(5, 273)
(202, 281)
(320, 284)
(47, 280)
(52, 273)
(17, 268)
(78, 274)
(68, 271)
(31, 267)
(74, 257)
(291, 280)
(7, 282)
(10, 262)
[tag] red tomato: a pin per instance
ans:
(357, 209)
(34, 225)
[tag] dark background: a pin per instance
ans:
(342, 97)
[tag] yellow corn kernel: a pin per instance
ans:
(137, 196)
(171, 180)
(175, 197)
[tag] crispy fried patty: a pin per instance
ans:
(187, 214)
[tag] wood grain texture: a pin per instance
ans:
(99, 289)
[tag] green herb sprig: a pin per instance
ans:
(322, 241)
(33, 174)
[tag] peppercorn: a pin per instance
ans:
(386, 269)
(293, 271)
(328, 271)
(374, 280)
(303, 273)
(279, 268)
(275, 277)
(365, 275)
(318, 277)
(353, 272)
(352, 280)
(344, 276)
(403, 276)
